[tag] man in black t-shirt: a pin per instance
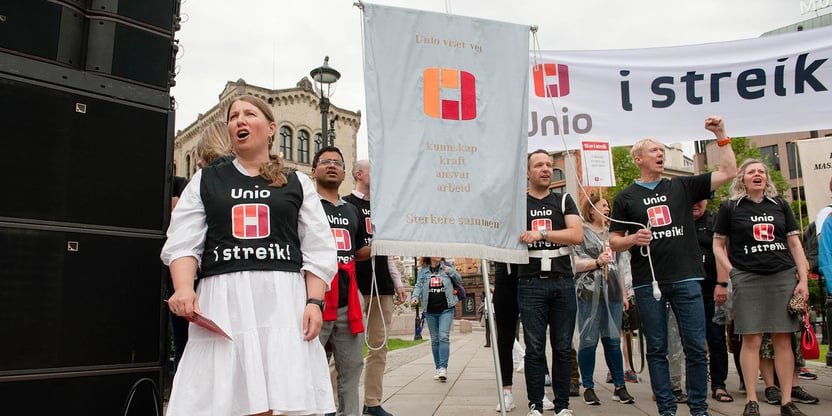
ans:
(660, 234)
(545, 289)
(378, 309)
(343, 327)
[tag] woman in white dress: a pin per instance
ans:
(266, 256)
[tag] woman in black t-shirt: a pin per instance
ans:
(757, 240)
(435, 290)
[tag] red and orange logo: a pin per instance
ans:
(368, 225)
(764, 232)
(659, 215)
(250, 221)
(551, 80)
(541, 224)
(450, 94)
(342, 239)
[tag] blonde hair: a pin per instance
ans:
(272, 170)
(639, 146)
(214, 142)
(737, 187)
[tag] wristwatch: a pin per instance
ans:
(543, 235)
(723, 284)
(320, 302)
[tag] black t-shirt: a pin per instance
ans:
(177, 186)
(546, 214)
(437, 301)
(669, 210)
(348, 232)
(251, 225)
(363, 269)
(757, 234)
(705, 237)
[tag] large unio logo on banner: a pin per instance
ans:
(551, 80)
(450, 94)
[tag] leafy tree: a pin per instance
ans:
(626, 171)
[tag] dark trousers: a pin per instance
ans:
(717, 347)
(506, 314)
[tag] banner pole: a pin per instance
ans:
(489, 309)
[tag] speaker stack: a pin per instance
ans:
(85, 174)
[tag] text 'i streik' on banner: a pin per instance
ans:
(447, 107)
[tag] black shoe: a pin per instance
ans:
(751, 409)
(789, 409)
(574, 389)
(680, 396)
(591, 398)
(622, 395)
(376, 411)
(800, 395)
(772, 395)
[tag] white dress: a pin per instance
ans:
(268, 365)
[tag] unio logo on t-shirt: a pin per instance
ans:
(764, 232)
(250, 221)
(659, 215)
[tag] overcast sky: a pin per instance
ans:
(274, 43)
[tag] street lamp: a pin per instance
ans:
(325, 78)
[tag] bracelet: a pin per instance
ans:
(597, 265)
(723, 142)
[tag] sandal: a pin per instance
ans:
(722, 396)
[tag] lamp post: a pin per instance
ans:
(325, 77)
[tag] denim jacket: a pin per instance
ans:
(420, 291)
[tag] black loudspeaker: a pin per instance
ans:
(44, 30)
(158, 14)
(74, 157)
(73, 301)
(130, 53)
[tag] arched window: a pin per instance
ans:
(286, 142)
(187, 166)
(303, 146)
(557, 175)
(319, 142)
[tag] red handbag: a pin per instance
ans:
(808, 342)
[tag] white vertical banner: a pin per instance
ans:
(447, 114)
(816, 163)
(596, 163)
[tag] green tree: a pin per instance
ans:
(626, 171)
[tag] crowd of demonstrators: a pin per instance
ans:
(379, 300)
(546, 284)
(343, 328)
(665, 206)
(262, 303)
(763, 254)
(602, 298)
(434, 290)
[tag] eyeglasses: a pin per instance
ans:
(336, 162)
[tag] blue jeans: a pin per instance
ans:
(439, 325)
(686, 301)
(547, 303)
(604, 319)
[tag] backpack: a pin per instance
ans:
(810, 247)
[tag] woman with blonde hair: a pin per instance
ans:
(756, 239)
(214, 144)
(267, 257)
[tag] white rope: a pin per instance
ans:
(645, 250)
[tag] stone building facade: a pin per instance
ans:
(298, 135)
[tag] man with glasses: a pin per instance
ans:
(343, 328)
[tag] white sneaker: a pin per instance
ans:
(564, 412)
(436, 374)
(547, 404)
(533, 412)
(509, 399)
(443, 374)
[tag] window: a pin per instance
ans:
(771, 154)
(286, 142)
(319, 142)
(303, 146)
(794, 161)
(557, 175)
(559, 189)
(187, 166)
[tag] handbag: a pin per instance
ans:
(808, 342)
(797, 306)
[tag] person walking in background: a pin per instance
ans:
(378, 300)
(434, 290)
(663, 252)
(714, 332)
(343, 328)
(602, 298)
(269, 300)
(546, 286)
(763, 255)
